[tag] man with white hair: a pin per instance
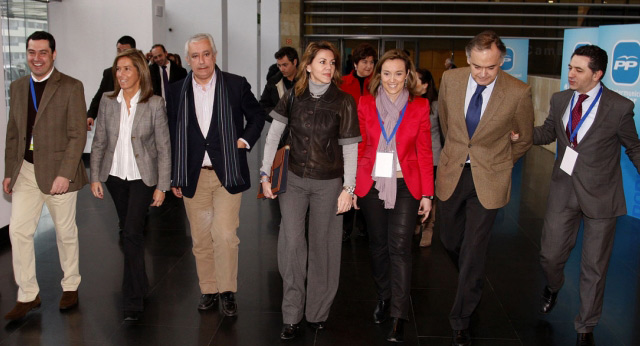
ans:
(207, 113)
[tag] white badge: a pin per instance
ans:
(384, 165)
(569, 160)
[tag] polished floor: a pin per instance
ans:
(507, 314)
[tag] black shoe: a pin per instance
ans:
(380, 312)
(585, 339)
(208, 301)
(289, 331)
(548, 300)
(461, 338)
(397, 330)
(229, 306)
(317, 325)
(130, 316)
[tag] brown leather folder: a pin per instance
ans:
(279, 172)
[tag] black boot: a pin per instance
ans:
(397, 330)
(380, 312)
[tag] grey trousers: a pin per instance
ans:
(318, 262)
(558, 239)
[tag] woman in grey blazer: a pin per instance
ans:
(131, 154)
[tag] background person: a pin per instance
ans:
(356, 84)
(428, 90)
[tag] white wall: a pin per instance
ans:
(186, 18)
(269, 37)
(86, 33)
(5, 204)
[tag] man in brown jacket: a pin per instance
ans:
(479, 106)
(46, 134)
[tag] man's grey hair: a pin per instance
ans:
(196, 38)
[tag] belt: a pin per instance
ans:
(208, 168)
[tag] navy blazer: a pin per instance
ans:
(176, 73)
(244, 107)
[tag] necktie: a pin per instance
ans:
(576, 115)
(165, 81)
(474, 110)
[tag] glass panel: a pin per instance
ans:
(20, 18)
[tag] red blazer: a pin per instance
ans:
(351, 86)
(413, 143)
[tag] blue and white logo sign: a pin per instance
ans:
(509, 59)
(625, 63)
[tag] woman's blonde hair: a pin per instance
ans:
(411, 81)
(140, 63)
(310, 53)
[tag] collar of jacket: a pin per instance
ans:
(329, 96)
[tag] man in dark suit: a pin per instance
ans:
(163, 71)
(287, 62)
(586, 183)
(478, 107)
(106, 85)
(45, 138)
(207, 114)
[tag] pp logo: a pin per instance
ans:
(625, 69)
(508, 60)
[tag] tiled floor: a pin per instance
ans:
(506, 316)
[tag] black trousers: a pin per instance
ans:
(132, 199)
(390, 235)
(465, 227)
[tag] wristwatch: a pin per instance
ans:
(428, 197)
(349, 189)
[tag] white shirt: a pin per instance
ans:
(203, 98)
(168, 67)
(486, 94)
(124, 164)
(43, 79)
(588, 121)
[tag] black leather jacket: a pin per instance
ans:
(319, 128)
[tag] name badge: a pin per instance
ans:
(384, 165)
(569, 160)
(31, 145)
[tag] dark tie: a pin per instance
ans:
(165, 80)
(474, 110)
(576, 114)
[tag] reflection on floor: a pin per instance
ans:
(506, 315)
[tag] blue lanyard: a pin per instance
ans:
(574, 133)
(393, 133)
(33, 94)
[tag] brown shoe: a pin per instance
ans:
(69, 300)
(427, 234)
(21, 309)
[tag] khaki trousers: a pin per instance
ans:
(25, 213)
(214, 219)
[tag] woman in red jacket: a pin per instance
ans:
(394, 180)
(356, 84)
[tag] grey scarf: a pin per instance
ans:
(389, 113)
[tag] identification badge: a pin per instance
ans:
(31, 145)
(569, 160)
(384, 165)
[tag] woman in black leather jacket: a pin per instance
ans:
(324, 134)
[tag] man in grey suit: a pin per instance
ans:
(590, 122)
